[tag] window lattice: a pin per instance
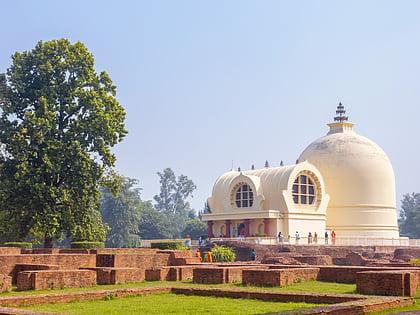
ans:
(303, 190)
(244, 197)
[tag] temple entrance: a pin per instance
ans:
(241, 229)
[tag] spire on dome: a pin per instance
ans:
(340, 113)
(340, 123)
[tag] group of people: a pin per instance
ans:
(312, 238)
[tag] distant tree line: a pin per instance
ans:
(409, 216)
(170, 216)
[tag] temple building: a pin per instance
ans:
(341, 182)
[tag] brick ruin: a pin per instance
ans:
(379, 270)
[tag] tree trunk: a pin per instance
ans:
(48, 242)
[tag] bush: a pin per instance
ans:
(172, 245)
(223, 254)
(261, 235)
(23, 245)
(416, 261)
(87, 245)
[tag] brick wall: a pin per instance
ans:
(29, 267)
(5, 283)
(66, 261)
(214, 275)
(347, 274)
(40, 251)
(278, 277)
(106, 275)
(388, 282)
(172, 273)
(123, 251)
(55, 279)
(145, 261)
(318, 260)
(10, 251)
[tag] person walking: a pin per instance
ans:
(326, 237)
(253, 255)
(333, 237)
(297, 237)
(280, 237)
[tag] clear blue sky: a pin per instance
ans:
(208, 82)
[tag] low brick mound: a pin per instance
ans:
(109, 275)
(278, 277)
(315, 260)
(414, 252)
(395, 282)
(55, 279)
(355, 259)
(282, 260)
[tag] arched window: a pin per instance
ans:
(244, 197)
(303, 190)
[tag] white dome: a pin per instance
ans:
(360, 180)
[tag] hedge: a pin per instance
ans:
(87, 245)
(173, 245)
(22, 245)
(261, 235)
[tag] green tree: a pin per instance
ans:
(59, 120)
(205, 210)
(172, 200)
(195, 228)
(153, 224)
(122, 214)
(409, 220)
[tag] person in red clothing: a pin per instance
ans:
(333, 236)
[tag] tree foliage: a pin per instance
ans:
(122, 214)
(223, 254)
(195, 228)
(172, 200)
(59, 120)
(154, 224)
(409, 220)
(174, 192)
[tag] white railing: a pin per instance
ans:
(342, 241)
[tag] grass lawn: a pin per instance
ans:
(169, 303)
(415, 307)
(308, 286)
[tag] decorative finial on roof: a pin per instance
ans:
(281, 163)
(252, 167)
(340, 113)
(266, 164)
